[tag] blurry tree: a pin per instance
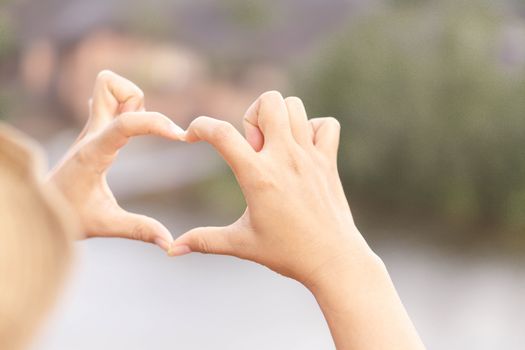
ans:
(7, 43)
(7, 48)
(431, 96)
(248, 14)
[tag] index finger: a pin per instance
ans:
(113, 95)
(223, 136)
(131, 124)
(267, 121)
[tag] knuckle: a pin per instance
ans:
(203, 245)
(198, 122)
(139, 232)
(262, 181)
(222, 130)
(297, 163)
(84, 155)
(295, 160)
(240, 245)
(264, 184)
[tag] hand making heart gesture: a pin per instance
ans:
(297, 221)
(297, 217)
(116, 114)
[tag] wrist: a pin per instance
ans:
(351, 267)
(359, 301)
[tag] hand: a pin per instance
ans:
(116, 114)
(297, 219)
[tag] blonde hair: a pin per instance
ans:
(35, 240)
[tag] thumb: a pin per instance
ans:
(138, 227)
(128, 125)
(206, 240)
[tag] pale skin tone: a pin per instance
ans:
(116, 114)
(297, 221)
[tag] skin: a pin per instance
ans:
(298, 221)
(116, 114)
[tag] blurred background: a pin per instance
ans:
(431, 98)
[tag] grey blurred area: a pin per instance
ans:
(127, 295)
(431, 98)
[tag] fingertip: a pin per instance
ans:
(189, 136)
(163, 238)
(177, 131)
(272, 94)
(178, 250)
(162, 243)
(105, 74)
(158, 233)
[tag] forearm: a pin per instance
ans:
(361, 306)
(298, 221)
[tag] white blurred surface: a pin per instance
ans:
(129, 295)
(126, 295)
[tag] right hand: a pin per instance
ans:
(116, 115)
(297, 221)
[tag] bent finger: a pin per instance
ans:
(206, 240)
(270, 115)
(326, 133)
(299, 121)
(113, 95)
(223, 136)
(253, 134)
(137, 227)
(132, 124)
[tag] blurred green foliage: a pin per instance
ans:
(431, 97)
(248, 14)
(7, 42)
(7, 48)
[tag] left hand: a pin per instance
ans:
(117, 113)
(297, 221)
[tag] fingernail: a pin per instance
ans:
(178, 250)
(162, 243)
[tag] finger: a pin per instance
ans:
(326, 135)
(131, 124)
(253, 134)
(86, 127)
(112, 96)
(270, 115)
(299, 121)
(224, 138)
(206, 240)
(140, 228)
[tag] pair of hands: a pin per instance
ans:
(297, 218)
(297, 221)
